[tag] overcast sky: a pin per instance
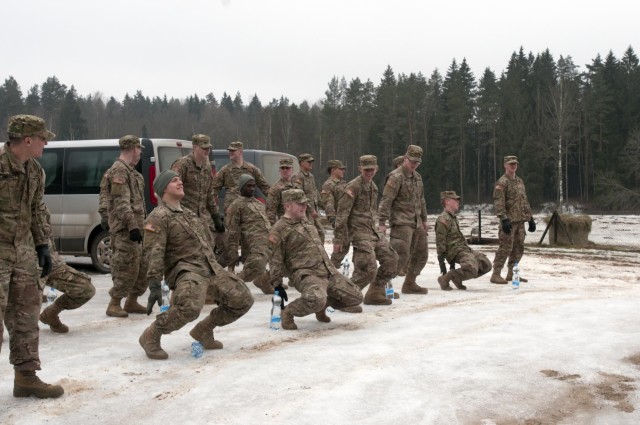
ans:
(289, 47)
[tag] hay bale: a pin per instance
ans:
(578, 226)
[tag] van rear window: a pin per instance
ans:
(168, 154)
(85, 167)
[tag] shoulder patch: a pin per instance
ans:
(391, 183)
(118, 180)
(151, 228)
(273, 239)
(499, 187)
(349, 192)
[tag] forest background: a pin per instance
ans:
(576, 132)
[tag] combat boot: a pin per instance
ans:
(456, 281)
(376, 296)
(150, 342)
(262, 282)
(114, 309)
(496, 278)
(443, 281)
(321, 315)
(26, 383)
(132, 306)
(411, 287)
(287, 321)
(510, 276)
(203, 332)
(49, 316)
(352, 309)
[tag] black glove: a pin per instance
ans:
(443, 267)
(104, 223)
(282, 293)
(452, 266)
(155, 294)
(218, 222)
(506, 225)
(532, 226)
(332, 220)
(135, 235)
(44, 259)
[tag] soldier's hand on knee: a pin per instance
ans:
(135, 235)
(443, 266)
(506, 225)
(452, 265)
(155, 294)
(44, 259)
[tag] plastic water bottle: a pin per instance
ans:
(345, 266)
(51, 296)
(276, 311)
(515, 281)
(388, 291)
(165, 297)
(197, 349)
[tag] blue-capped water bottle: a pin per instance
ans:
(51, 296)
(197, 349)
(515, 280)
(276, 311)
(388, 290)
(165, 297)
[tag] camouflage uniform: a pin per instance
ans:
(307, 183)
(275, 208)
(330, 194)
(176, 247)
(356, 221)
(510, 201)
(451, 244)
(122, 202)
(404, 206)
(298, 252)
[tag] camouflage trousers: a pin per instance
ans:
(410, 243)
(366, 256)
(128, 271)
(511, 246)
(256, 257)
(319, 290)
(20, 302)
(76, 286)
(472, 264)
(189, 292)
(337, 257)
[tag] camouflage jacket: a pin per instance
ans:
(449, 239)
(356, 215)
(174, 241)
(22, 222)
(247, 222)
(330, 194)
(228, 177)
(403, 199)
(122, 197)
(275, 208)
(198, 187)
(296, 251)
(307, 183)
(510, 200)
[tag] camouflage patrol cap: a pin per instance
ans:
(129, 141)
(397, 161)
(201, 140)
(448, 194)
(368, 162)
(305, 157)
(161, 182)
(414, 153)
(244, 179)
(235, 146)
(294, 195)
(28, 125)
(511, 159)
(286, 162)
(335, 163)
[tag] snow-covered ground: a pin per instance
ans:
(565, 348)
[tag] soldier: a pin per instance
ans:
(76, 286)
(177, 247)
(404, 206)
(197, 177)
(305, 181)
(23, 246)
(122, 210)
(330, 194)
(249, 227)
(452, 246)
(396, 163)
(275, 208)
(297, 249)
(356, 220)
(512, 208)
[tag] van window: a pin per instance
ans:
(51, 162)
(85, 167)
(168, 154)
(270, 167)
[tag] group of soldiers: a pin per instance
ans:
(187, 243)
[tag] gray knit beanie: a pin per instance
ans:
(161, 182)
(244, 179)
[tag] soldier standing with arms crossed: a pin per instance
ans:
(512, 208)
(122, 210)
(404, 206)
(305, 181)
(330, 193)
(176, 247)
(275, 207)
(23, 246)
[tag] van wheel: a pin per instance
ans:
(101, 252)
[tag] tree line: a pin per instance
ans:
(576, 133)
